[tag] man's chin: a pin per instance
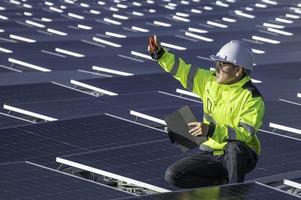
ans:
(219, 81)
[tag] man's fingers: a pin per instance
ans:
(197, 132)
(193, 123)
(193, 129)
(155, 40)
(151, 41)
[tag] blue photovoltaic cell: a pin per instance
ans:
(278, 155)
(135, 84)
(20, 145)
(148, 101)
(96, 132)
(36, 93)
(23, 80)
(273, 89)
(277, 112)
(66, 108)
(6, 122)
(118, 105)
(29, 182)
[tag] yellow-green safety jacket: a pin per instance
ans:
(234, 112)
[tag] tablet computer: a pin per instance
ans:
(177, 123)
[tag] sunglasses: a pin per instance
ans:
(219, 67)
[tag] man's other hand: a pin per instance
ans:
(198, 128)
(153, 45)
(154, 48)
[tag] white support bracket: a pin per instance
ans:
(111, 71)
(292, 184)
(185, 92)
(284, 128)
(111, 175)
(95, 90)
(147, 117)
(27, 65)
(28, 113)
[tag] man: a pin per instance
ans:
(233, 112)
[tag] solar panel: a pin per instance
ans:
(66, 109)
(135, 84)
(279, 155)
(96, 132)
(20, 145)
(86, 28)
(36, 93)
(28, 181)
(147, 163)
(120, 105)
(6, 122)
(241, 191)
(277, 112)
(41, 77)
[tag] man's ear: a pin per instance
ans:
(239, 71)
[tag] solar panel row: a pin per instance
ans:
(68, 35)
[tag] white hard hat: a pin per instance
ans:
(236, 52)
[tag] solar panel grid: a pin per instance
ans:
(276, 159)
(36, 93)
(135, 84)
(10, 122)
(63, 109)
(20, 145)
(145, 162)
(119, 105)
(194, 49)
(26, 181)
(96, 132)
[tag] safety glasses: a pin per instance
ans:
(220, 66)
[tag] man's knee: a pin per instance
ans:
(235, 147)
(172, 176)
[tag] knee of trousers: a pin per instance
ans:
(235, 147)
(172, 176)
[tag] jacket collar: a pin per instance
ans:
(238, 84)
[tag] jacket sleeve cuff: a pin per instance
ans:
(160, 53)
(211, 130)
(157, 54)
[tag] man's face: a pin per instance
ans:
(226, 73)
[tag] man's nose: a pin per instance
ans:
(217, 69)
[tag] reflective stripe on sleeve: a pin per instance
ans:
(175, 67)
(190, 78)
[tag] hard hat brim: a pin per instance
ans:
(217, 59)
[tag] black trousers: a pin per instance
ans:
(205, 169)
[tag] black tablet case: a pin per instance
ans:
(179, 130)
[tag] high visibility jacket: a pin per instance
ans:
(233, 112)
